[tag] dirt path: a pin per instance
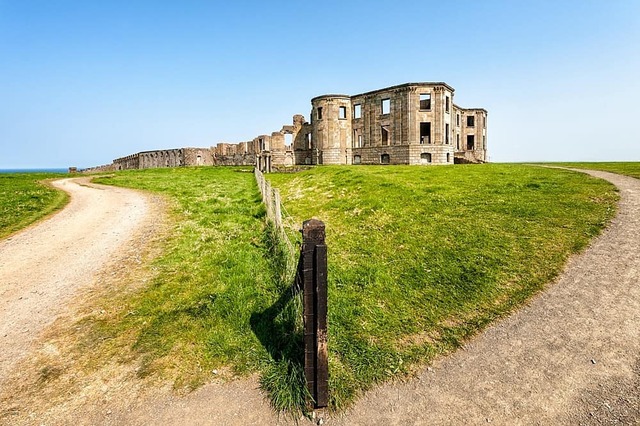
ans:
(571, 356)
(42, 267)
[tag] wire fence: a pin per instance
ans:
(277, 214)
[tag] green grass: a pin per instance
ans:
(217, 300)
(420, 258)
(623, 168)
(24, 199)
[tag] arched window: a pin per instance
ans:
(385, 159)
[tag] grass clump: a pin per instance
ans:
(422, 258)
(623, 168)
(24, 199)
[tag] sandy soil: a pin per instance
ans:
(571, 356)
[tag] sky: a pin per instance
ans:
(85, 82)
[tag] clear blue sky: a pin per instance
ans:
(84, 82)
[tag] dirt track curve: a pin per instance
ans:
(571, 356)
(43, 266)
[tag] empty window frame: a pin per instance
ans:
(471, 121)
(357, 139)
(308, 139)
(484, 143)
(471, 141)
(448, 157)
(319, 113)
(458, 142)
(447, 102)
(425, 101)
(384, 135)
(484, 121)
(357, 159)
(385, 159)
(458, 120)
(357, 111)
(342, 112)
(385, 105)
(288, 140)
(446, 133)
(425, 157)
(425, 133)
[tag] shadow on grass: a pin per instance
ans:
(280, 330)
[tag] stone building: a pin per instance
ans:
(165, 158)
(412, 123)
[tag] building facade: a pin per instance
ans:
(412, 123)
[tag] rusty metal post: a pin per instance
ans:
(314, 285)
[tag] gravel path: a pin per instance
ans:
(42, 267)
(571, 356)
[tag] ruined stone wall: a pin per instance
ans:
(412, 123)
(331, 129)
(127, 163)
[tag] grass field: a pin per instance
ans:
(422, 258)
(623, 168)
(24, 200)
(419, 259)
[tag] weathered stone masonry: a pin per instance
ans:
(412, 123)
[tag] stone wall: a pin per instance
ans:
(412, 123)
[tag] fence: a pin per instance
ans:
(275, 210)
(311, 278)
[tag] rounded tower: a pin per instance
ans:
(331, 122)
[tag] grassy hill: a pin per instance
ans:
(420, 258)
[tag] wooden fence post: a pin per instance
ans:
(314, 284)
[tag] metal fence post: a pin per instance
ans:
(314, 281)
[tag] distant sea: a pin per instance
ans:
(34, 170)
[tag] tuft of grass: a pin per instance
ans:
(24, 199)
(623, 168)
(422, 258)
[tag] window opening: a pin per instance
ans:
(471, 121)
(470, 141)
(308, 138)
(446, 133)
(425, 157)
(425, 100)
(357, 111)
(342, 112)
(458, 120)
(446, 104)
(357, 159)
(385, 135)
(425, 133)
(458, 142)
(357, 139)
(385, 159)
(319, 113)
(386, 106)
(448, 157)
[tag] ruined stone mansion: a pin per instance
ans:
(412, 123)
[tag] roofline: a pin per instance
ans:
(331, 96)
(398, 86)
